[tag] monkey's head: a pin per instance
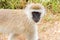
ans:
(35, 11)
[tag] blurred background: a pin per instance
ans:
(53, 5)
(48, 28)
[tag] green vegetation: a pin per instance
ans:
(9, 4)
(53, 5)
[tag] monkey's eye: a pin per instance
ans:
(36, 16)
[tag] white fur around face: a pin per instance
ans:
(29, 11)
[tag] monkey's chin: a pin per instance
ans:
(36, 21)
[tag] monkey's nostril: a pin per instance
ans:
(36, 16)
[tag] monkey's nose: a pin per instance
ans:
(36, 16)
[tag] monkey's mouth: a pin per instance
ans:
(36, 16)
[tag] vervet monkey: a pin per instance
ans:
(14, 22)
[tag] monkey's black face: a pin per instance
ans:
(36, 16)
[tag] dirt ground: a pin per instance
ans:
(48, 28)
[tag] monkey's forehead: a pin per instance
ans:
(36, 7)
